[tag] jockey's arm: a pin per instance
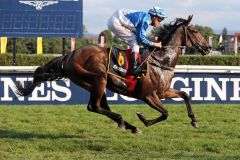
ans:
(141, 35)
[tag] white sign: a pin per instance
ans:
(40, 4)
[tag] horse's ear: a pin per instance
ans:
(189, 19)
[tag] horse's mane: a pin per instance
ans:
(166, 30)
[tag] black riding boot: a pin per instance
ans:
(135, 63)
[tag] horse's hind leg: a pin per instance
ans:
(172, 93)
(154, 102)
(98, 104)
(127, 125)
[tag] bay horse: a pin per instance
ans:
(87, 67)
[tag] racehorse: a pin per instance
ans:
(87, 67)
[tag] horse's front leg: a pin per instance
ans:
(172, 93)
(154, 102)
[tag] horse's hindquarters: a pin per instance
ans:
(87, 67)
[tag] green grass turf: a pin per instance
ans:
(71, 132)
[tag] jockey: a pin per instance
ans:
(131, 27)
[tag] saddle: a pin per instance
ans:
(120, 67)
(120, 62)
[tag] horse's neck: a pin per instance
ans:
(174, 47)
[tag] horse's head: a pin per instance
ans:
(189, 36)
(194, 39)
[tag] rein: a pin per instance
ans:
(173, 46)
(146, 59)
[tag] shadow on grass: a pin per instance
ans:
(25, 135)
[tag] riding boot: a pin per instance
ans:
(135, 63)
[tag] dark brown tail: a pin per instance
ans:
(49, 72)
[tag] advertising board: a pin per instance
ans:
(202, 88)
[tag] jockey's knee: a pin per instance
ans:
(135, 48)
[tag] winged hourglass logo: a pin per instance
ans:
(39, 4)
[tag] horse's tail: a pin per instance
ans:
(49, 72)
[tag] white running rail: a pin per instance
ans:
(178, 69)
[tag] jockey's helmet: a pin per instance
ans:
(158, 12)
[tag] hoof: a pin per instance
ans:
(143, 119)
(195, 124)
(140, 116)
(122, 126)
(136, 131)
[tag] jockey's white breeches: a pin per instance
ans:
(116, 25)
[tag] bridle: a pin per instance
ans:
(185, 38)
(196, 45)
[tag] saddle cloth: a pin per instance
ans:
(120, 61)
(120, 65)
